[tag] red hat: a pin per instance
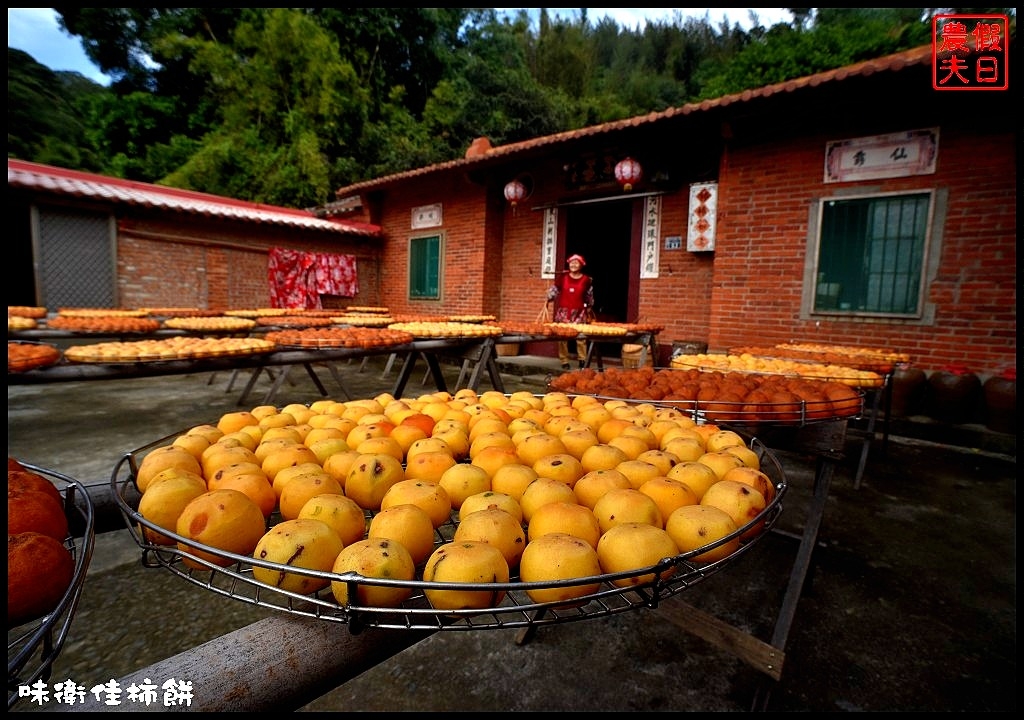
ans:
(575, 257)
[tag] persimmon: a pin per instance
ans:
(35, 511)
(27, 480)
(39, 571)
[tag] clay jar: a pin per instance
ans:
(954, 393)
(1001, 402)
(908, 391)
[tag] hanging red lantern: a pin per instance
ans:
(628, 172)
(514, 192)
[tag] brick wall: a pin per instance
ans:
(767, 156)
(749, 291)
(466, 251)
(765, 196)
(171, 262)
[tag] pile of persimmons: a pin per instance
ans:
(732, 397)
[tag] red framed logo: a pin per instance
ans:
(970, 52)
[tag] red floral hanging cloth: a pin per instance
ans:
(298, 279)
(336, 275)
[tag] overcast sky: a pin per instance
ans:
(35, 30)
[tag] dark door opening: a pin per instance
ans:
(602, 233)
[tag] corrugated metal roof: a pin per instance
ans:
(60, 181)
(890, 63)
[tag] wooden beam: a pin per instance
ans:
(278, 664)
(758, 654)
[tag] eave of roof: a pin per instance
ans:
(63, 182)
(888, 63)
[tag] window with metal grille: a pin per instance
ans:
(425, 268)
(871, 255)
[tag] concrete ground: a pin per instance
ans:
(910, 603)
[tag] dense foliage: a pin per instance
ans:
(284, 105)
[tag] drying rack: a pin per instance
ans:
(231, 575)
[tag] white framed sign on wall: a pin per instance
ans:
(426, 216)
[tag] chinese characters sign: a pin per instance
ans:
(970, 52)
(652, 233)
(426, 216)
(547, 243)
(700, 232)
(176, 693)
(882, 156)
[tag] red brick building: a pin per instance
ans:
(859, 206)
(85, 240)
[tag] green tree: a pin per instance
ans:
(130, 44)
(157, 109)
(282, 105)
(400, 56)
(130, 133)
(562, 55)
(407, 48)
(44, 122)
(291, 112)
(834, 37)
(394, 141)
(492, 93)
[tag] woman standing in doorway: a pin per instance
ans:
(572, 297)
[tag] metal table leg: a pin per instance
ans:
(495, 374)
(825, 469)
(407, 368)
(278, 382)
(593, 353)
(249, 385)
(888, 413)
(337, 378)
(825, 441)
(868, 437)
(462, 373)
(316, 380)
(389, 364)
(435, 369)
(485, 360)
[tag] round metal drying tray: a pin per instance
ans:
(516, 610)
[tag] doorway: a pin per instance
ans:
(602, 232)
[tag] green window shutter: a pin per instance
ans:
(425, 267)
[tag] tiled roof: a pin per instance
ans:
(59, 181)
(889, 63)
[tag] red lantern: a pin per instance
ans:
(628, 172)
(514, 192)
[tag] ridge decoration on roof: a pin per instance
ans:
(60, 181)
